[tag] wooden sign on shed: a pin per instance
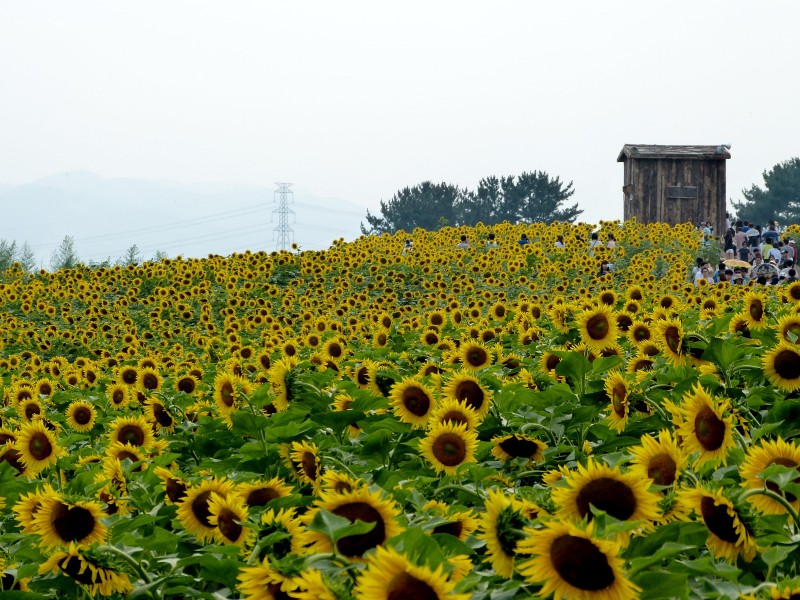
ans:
(675, 184)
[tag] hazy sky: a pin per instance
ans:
(359, 99)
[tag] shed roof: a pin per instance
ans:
(650, 151)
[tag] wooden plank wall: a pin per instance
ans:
(649, 180)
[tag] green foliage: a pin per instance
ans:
(527, 198)
(779, 199)
(65, 256)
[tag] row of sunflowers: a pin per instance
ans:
(369, 422)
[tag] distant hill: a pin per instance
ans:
(107, 216)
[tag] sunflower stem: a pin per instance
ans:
(128, 559)
(777, 498)
(459, 488)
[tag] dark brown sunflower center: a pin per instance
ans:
(609, 495)
(477, 357)
(519, 447)
(581, 564)
(149, 381)
(597, 327)
(405, 587)
(718, 521)
(335, 350)
(552, 362)
(455, 528)
(176, 491)
(162, 415)
(471, 392)
(260, 496)
(72, 524)
(39, 446)
(455, 416)
(75, 568)
(274, 590)
(640, 334)
(117, 396)
(309, 464)
(200, 508)
(228, 525)
(362, 376)
(618, 395)
(662, 469)
(709, 429)
(607, 298)
(186, 385)
(672, 337)
(82, 415)
(787, 364)
(129, 376)
(32, 409)
(131, 434)
(13, 458)
(226, 394)
(449, 449)
(45, 389)
(356, 545)
(342, 487)
(416, 401)
(756, 309)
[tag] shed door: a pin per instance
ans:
(682, 203)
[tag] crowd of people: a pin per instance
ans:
(750, 253)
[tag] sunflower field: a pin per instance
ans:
(375, 423)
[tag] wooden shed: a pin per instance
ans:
(675, 184)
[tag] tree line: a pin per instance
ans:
(526, 198)
(65, 256)
(778, 200)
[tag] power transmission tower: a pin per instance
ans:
(284, 234)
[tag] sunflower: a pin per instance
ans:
(28, 505)
(81, 416)
(413, 402)
(639, 332)
(285, 533)
(159, 415)
(338, 482)
(174, 486)
(90, 573)
(781, 365)
(459, 523)
(668, 336)
(518, 445)
(624, 496)
(61, 523)
(598, 327)
(305, 462)
(311, 585)
(474, 355)
(455, 411)
(360, 504)
(263, 582)
(37, 447)
(227, 515)
(134, 430)
(618, 392)
(390, 575)
(259, 493)
(466, 387)
(186, 384)
(226, 394)
(662, 460)
(570, 563)
(118, 395)
(755, 309)
(30, 409)
(728, 535)
(281, 376)
(758, 458)
(193, 511)
(707, 425)
(148, 380)
(449, 445)
(501, 528)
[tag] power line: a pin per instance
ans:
(283, 195)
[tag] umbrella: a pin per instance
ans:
(735, 262)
